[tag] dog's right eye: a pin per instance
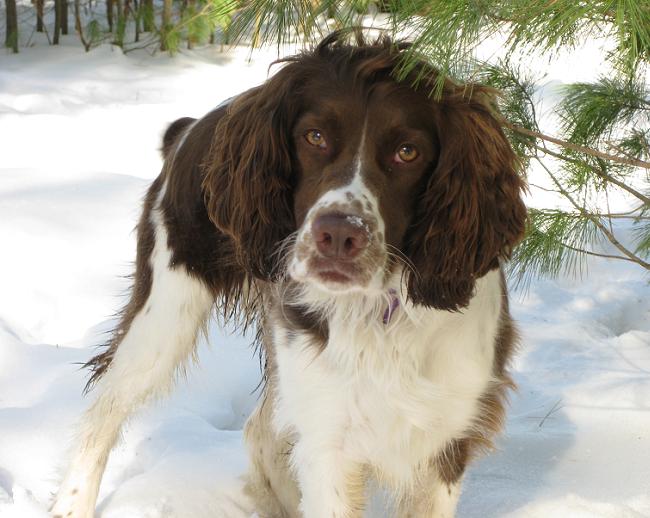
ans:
(316, 138)
(406, 153)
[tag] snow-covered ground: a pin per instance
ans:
(79, 138)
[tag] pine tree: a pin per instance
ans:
(603, 143)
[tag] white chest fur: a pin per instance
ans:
(388, 397)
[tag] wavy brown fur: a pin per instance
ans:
(471, 213)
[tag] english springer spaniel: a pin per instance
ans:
(361, 225)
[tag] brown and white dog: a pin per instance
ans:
(361, 225)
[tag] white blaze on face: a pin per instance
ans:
(354, 199)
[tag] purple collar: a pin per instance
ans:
(392, 306)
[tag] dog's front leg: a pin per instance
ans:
(332, 485)
(156, 336)
(431, 497)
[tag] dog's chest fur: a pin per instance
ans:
(387, 396)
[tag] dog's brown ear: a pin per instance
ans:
(470, 214)
(248, 176)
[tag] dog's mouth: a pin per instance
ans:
(334, 275)
(334, 272)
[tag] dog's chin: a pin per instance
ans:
(332, 278)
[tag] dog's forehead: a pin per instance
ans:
(376, 107)
(399, 104)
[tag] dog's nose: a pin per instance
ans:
(340, 236)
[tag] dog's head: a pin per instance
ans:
(342, 177)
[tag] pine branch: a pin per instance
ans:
(596, 221)
(620, 150)
(542, 252)
(609, 215)
(595, 254)
(576, 147)
(600, 173)
(593, 111)
(615, 215)
(643, 240)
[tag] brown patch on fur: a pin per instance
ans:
(493, 403)
(491, 416)
(300, 320)
(507, 337)
(205, 251)
(450, 463)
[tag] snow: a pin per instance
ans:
(80, 135)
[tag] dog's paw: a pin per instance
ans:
(72, 503)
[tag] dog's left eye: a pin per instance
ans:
(406, 153)
(316, 138)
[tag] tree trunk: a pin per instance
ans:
(109, 14)
(64, 16)
(11, 36)
(39, 15)
(147, 18)
(57, 22)
(166, 22)
(78, 27)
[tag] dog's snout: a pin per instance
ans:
(340, 236)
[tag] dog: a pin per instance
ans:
(361, 225)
